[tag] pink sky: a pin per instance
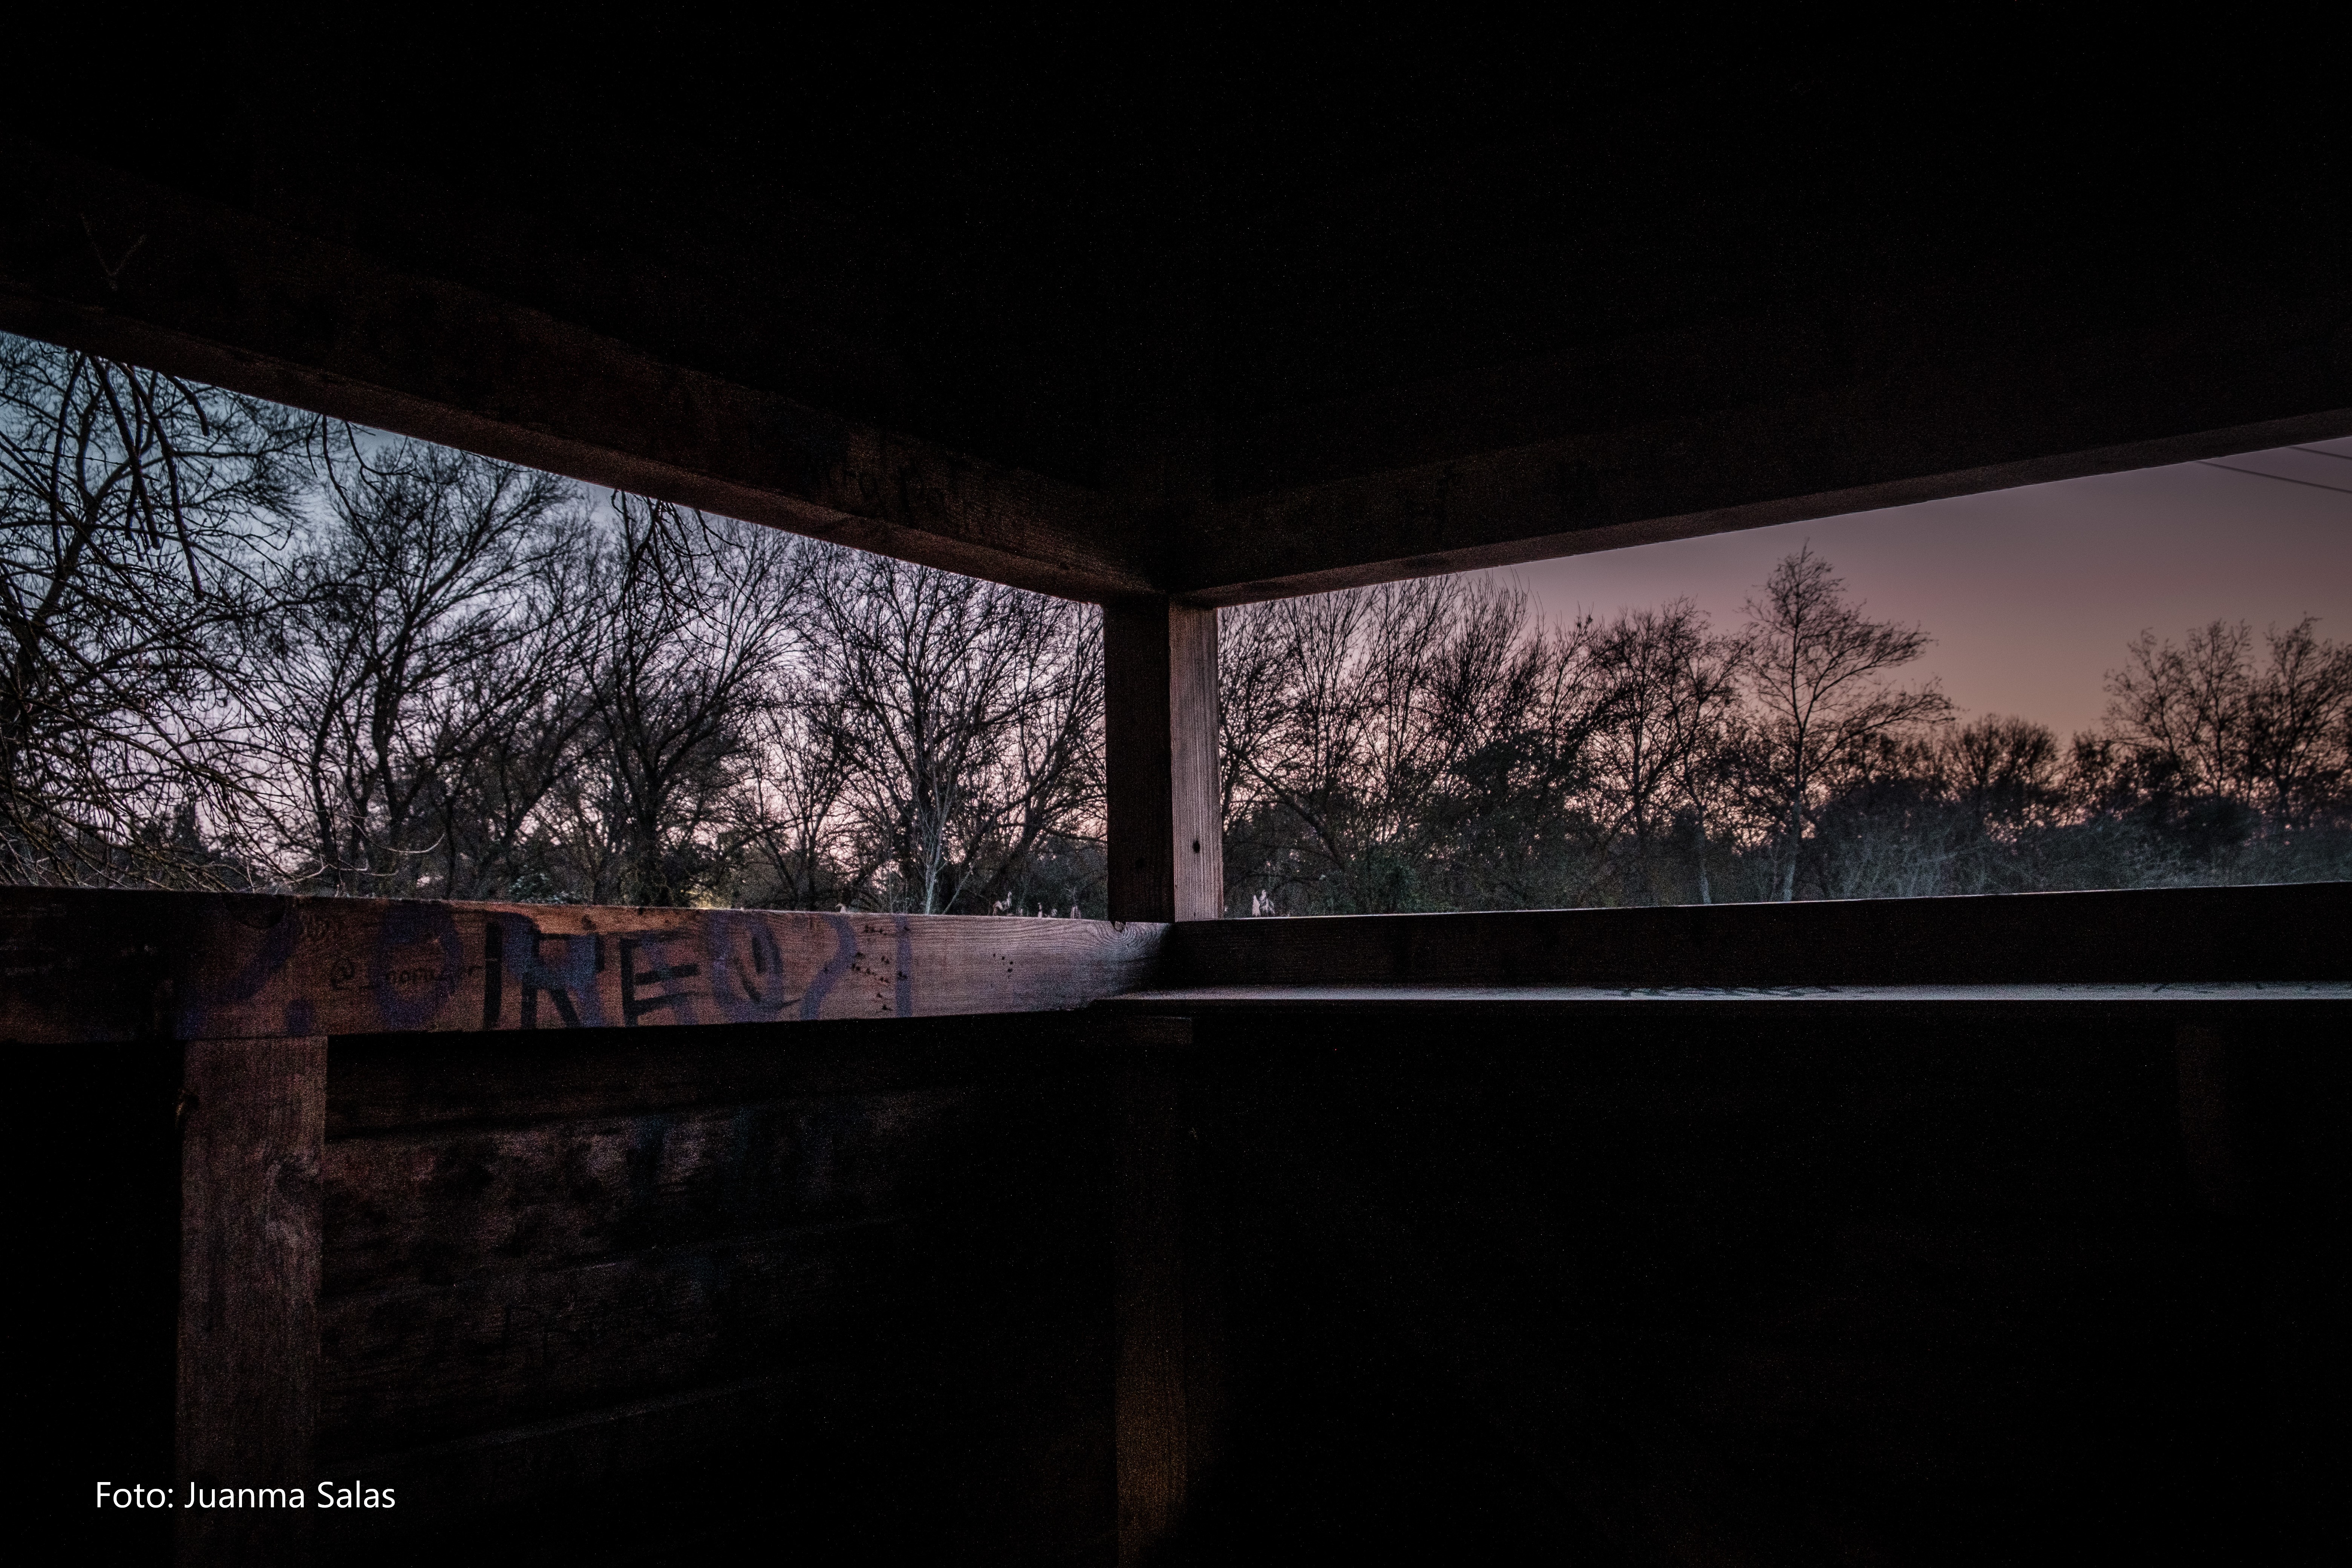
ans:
(2032, 594)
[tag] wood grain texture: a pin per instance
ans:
(1138, 768)
(1150, 1312)
(2283, 934)
(423, 1363)
(2209, 1131)
(1168, 1312)
(1197, 808)
(434, 1207)
(91, 965)
(385, 1083)
(459, 1481)
(251, 1257)
(225, 296)
(2278, 1000)
(565, 1266)
(1777, 1286)
(1165, 856)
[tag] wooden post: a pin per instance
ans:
(1166, 853)
(1169, 1311)
(252, 1141)
(2208, 1134)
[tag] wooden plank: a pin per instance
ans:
(419, 1208)
(81, 966)
(2182, 996)
(465, 1480)
(1513, 463)
(221, 296)
(481, 1229)
(1169, 1406)
(386, 1083)
(1789, 1242)
(105, 965)
(1195, 802)
(1150, 1412)
(1136, 765)
(501, 1348)
(1166, 852)
(2286, 933)
(252, 1141)
(2209, 1131)
(89, 964)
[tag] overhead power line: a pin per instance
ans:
(2313, 484)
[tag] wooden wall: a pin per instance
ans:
(584, 1225)
(1378, 1236)
(624, 1292)
(82, 965)
(598, 1295)
(849, 1288)
(1795, 1288)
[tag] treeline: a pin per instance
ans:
(256, 650)
(1432, 745)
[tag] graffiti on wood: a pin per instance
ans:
(209, 966)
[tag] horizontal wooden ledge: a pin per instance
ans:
(2134, 936)
(1361, 998)
(91, 965)
(79, 964)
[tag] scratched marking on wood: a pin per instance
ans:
(89, 965)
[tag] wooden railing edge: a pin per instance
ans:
(2275, 931)
(86, 965)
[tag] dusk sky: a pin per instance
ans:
(2032, 594)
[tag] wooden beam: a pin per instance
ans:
(2158, 936)
(2210, 1134)
(2284, 1002)
(1499, 467)
(252, 1138)
(95, 260)
(1166, 848)
(1170, 1308)
(88, 965)
(1735, 425)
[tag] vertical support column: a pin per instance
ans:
(2208, 1131)
(1169, 1312)
(1166, 856)
(252, 1142)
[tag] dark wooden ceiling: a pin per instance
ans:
(1223, 310)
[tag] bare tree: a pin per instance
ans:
(1673, 685)
(1816, 669)
(491, 800)
(2299, 734)
(403, 670)
(696, 619)
(968, 719)
(2005, 771)
(135, 510)
(372, 676)
(1404, 746)
(801, 849)
(2200, 721)
(2183, 711)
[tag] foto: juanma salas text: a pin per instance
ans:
(326, 1494)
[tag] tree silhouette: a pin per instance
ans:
(1816, 667)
